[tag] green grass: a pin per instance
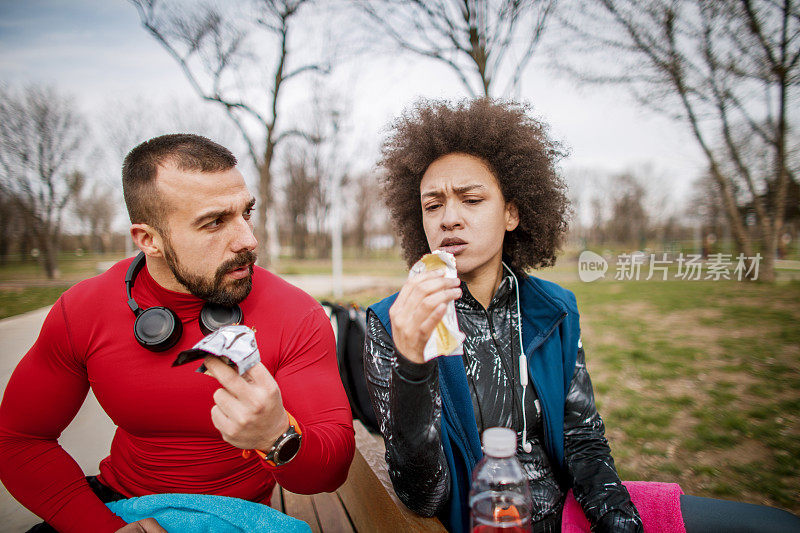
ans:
(73, 267)
(14, 302)
(25, 287)
(716, 369)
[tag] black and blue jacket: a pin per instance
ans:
(550, 336)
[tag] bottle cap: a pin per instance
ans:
(499, 442)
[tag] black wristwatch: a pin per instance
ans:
(287, 446)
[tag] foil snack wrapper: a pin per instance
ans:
(234, 345)
(447, 338)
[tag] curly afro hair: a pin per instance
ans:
(518, 151)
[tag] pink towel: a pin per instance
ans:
(658, 504)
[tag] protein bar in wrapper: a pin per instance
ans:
(447, 338)
(234, 345)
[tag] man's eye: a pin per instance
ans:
(473, 200)
(432, 207)
(248, 213)
(214, 223)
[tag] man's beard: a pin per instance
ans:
(217, 290)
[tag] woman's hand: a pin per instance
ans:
(420, 305)
(146, 525)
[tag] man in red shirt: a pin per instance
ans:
(178, 431)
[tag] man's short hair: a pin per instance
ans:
(517, 150)
(186, 151)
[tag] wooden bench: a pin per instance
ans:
(365, 503)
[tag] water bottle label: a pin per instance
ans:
(499, 513)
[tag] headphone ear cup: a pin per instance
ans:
(215, 316)
(157, 328)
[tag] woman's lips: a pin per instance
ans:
(454, 248)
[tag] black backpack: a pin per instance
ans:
(350, 325)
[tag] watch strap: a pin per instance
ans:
(263, 455)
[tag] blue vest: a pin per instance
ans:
(550, 334)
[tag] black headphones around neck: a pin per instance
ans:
(159, 328)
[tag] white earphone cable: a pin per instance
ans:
(523, 366)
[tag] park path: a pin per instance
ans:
(88, 437)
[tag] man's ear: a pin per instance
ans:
(512, 216)
(148, 239)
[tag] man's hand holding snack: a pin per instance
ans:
(420, 306)
(248, 409)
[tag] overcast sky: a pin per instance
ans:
(97, 51)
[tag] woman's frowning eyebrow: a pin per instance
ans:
(436, 193)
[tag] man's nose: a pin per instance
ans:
(245, 239)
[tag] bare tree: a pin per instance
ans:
(40, 135)
(307, 201)
(367, 214)
(629, 221)
(300, 191)
(633, 208)
(96, 208)
(478, 40)
(597, 232)
(367, 198)
(327, 167)
(11, 226)
(210, 45)
(719, 67)
(123, 123)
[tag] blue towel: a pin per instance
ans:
(203, 513)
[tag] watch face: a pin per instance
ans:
(288, 449)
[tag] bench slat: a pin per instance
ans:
(300, 506)
(331, 514)
(276, 501)
(366, 503)
(368, 494)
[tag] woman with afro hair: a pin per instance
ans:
(479, 180)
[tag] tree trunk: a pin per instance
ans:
(781, 171)
(264, 193)
(361, 236)
(299, 238)
(24, 244)
(766, 271)
(48, 255)
(5, 244)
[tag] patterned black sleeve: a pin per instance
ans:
(406, 401)
(595, 481)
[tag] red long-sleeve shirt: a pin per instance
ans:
(165, 441)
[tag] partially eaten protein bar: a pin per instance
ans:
(447, 338)
(233, 345)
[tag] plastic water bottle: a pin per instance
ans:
(499, 500)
